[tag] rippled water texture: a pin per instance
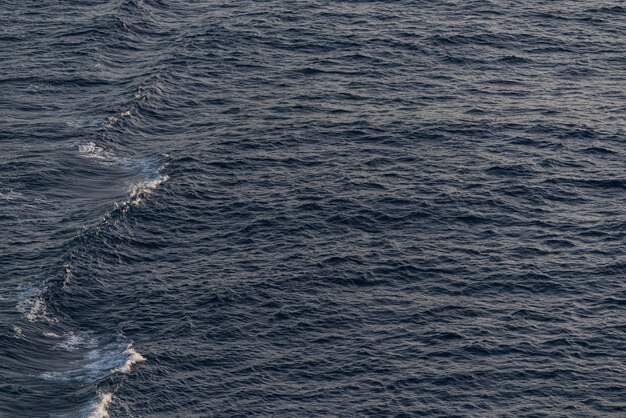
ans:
(309, 208)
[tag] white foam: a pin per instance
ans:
(100, 364)
(30, 302)
(17, 332)
(101, 405)
(139, 190)
(67, 275)
(96, 408)
(61, 376)
(74, 342)
(96, 364)
(96, 152)
(133, 358)
(111, 121)
(143, 189)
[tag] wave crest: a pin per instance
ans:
(133, 358)
(141, 190)
(101, 405)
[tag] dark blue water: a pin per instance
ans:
(312, 208)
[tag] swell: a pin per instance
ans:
(92, 356)
(40, 303)
(119, 357)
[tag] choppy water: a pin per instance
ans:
(299, 208)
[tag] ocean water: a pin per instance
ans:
(312, 208)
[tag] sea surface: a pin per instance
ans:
(312, 208)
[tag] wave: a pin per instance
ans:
(85, 123)
(75, 342)
(89, 362)
(10, 195)
(18, 332)
(149, 168)
(67, 274)
(114, 119)
(99, 408)
(31, 302)
(98, 363)
(133, 358)
(101, 405)
(81, 360)
(96, 152)
(96, 408)
(143, 189)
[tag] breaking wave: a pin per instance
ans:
(99, 408)
(98, 363)
(143, 189)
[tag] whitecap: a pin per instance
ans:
(67, 275)
(101, 405)
(98, 363)
(17, 332)
(111, 120)
(143, 189)
(97, 407)
(133, 358)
